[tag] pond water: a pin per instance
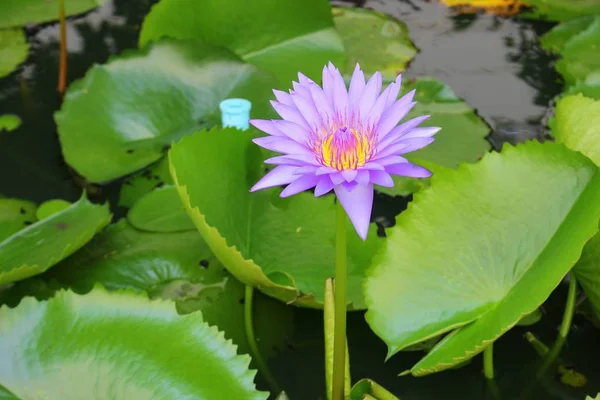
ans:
(495, 64)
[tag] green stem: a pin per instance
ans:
(256, 356)
(339, 341)
(567, 320)
(488, 361)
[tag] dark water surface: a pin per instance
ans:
(495, 64)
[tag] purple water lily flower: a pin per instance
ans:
(342, 139)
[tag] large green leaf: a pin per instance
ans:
(461, 139)
(177, 266)
(470, 254)
(121, 115)
(23, 12)
(562, 10)
(577, 125)
(15, 214)
(39, 246)
(285, 247)
(375, 40)
(117, 346)
(13, 49)
(160, 211)
(282, 37)
(581, 55)
(556, 39)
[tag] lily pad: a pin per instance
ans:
(120, 117)
(177, 266)
(53, 239)
(375, 40)
(136, 186)
(15, 214)
(556, 39)
(267, 34)
(461, 139)
(160, 211)
(23, 12)
(106, 345)
(13, 50)
(9, 122)
(577, 125)
(285, 247)
(561, 10)
(581, 55)
(469, 255)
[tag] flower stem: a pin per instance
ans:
(256, 356)
(488, 361)
(567, 320)
(339, 342)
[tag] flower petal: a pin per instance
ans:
(266, 126)
(358, 203)
(289, 113)
(281, 175)
(381, 178)
(399, 131)
(282, 145)
(368, 96)
(293, 131)
(349, 174)
(392, 116)
(357, 85)
(408, 169)
(340, 96)
(299, 185)
(394, 90)
(306, 106)
(324, 186)
(423, 132)
(321, 104)
(293, 159)
(402, 147)
(283, 97)
(363, 176)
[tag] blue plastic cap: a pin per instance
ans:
(235, 113)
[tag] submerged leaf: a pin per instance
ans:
(122, 115)
(267, 34)
(285, 247)
(375, 40)
(468, 254)
(106, 346)
(53, 239)
(143, 182)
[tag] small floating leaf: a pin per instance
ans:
(13, 51)
(53, 239)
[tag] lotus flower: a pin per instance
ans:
(340, 139)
